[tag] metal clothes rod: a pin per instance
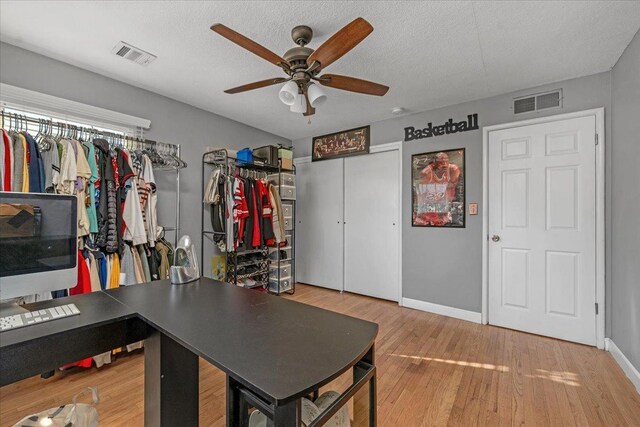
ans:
(64, 130)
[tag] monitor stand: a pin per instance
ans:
(11, 308)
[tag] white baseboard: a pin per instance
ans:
(444, 310)
(624, 363)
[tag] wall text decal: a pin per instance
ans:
(411, 133)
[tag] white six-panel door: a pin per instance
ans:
(372, 224)
(319, 211)
(542, 229)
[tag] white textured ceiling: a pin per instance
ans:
(431, 54)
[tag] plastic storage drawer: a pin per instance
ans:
(285, 285)
(289, 238)
(288, 223)
(285, 179)
(285, 270)
(287, 209)
(287, 192)
(285, 253)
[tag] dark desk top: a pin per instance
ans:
(277, 347)
(96, 308)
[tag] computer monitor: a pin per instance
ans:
(38, 243)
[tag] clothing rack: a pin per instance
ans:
(220, 158)
(163, 156)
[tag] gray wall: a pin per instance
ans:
(625, 200)
(443, 266)
(171, 121)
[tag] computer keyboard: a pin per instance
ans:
(38, 316)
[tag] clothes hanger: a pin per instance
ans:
(58, 136)
(40, 137)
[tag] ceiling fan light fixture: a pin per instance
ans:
(302, 64)
(288, 93)
(299, 105)
(317, 97)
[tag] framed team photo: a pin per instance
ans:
(438, 189)
(341, 144)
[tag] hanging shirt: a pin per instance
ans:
(265, 214)
(68, 169)
(163, 251)
(107, 236)
(18, 162)
(256, 212)
(145, 263)
(151, 205)
(134, 229)
(43, 188)
(124, 174)
(107, 279)
(51, 164)
(240, 210)
(83, 285)
(127, 268)
(114, 279)
(4, 167)
(102, 267)
(7, 161)
(24, 166)
(137, 265)
(153, 260)
(137, 159)
(33, 165)
(229, 216)
(93, 272)
(91, 209)
(83, 173)
(211, 194)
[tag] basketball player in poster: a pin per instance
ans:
(435, 191)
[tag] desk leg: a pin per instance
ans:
(237, 407)
(170, 383)
(360, 401)
(288, 415)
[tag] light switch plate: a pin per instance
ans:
(473, 209)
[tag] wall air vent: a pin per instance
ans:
(538, 102)
(132, 53)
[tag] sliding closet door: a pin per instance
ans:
(319, 247)
(372, 224)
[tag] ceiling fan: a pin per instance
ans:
(302, 65)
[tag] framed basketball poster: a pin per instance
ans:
(438, 191)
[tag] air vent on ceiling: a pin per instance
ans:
(132, 53)
(541, 101)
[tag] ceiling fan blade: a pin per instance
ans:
(256, 85)
(248, 44)
(352, 84)
(341, 42)
(310, 110)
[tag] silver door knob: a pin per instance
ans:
(495, 238)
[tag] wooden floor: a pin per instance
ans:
(432, 370)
